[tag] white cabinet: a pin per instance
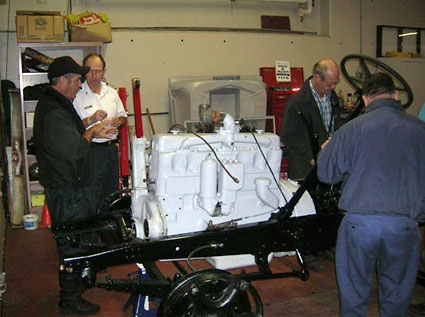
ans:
(77, 50)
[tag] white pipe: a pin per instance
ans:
(309, 7)
(262, 188)
(228, 123)
(194, 141)
(247, 138)
(208, 187)
(304, 9)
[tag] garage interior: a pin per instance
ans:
(158, 43)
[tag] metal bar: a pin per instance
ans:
(180, 267)
(124, 166)
(137, 107)
(146, 287)
(257, 276)
(379, 41)
(205, 29)
(308, 234)
(153, 271)
(150, 121)
(151, 113)
(399, 40)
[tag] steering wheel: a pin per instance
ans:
(362, 66)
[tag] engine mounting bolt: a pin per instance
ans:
(194, 290)
(244, 286)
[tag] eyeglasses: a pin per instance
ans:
(330, 83)
(96, 71)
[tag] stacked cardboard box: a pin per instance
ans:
(40, 26)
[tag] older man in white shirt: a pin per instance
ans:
(96, 102)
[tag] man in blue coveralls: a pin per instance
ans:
(380, 158)
(418, 310)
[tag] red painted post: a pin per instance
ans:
(137, 107)
(124, 166)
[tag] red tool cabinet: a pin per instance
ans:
(278, 93)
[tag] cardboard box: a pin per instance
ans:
(40, 26)
(99, 32)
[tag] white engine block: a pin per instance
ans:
(187, 189)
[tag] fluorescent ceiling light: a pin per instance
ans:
(408, 34)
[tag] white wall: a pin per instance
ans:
(341, 27)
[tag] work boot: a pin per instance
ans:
(416, 310)
(78, 306)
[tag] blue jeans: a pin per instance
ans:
(388, 243)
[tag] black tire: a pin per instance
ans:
(33, 172)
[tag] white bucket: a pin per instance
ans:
(30, 221)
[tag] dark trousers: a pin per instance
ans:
(69, 204)
(388, 243)
(105, 166)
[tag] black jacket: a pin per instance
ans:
(302, 130)
(63, 154)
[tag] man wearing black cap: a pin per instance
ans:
(62, 148)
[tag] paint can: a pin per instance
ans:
(30, 221)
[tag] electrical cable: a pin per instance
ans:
(208, 246)
(209, 145)
(268, 165)
(257, 215)
(253, 216)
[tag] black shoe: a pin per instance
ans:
(416, 310)
(78, 306)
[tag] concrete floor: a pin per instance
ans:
(32, 287)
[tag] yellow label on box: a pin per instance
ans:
(37, 200)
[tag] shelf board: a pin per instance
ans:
(35, 187)
(34, 73)
(30, 105)
(403, 59)
(61, 46)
